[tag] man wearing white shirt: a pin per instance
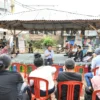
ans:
(44, 72)
(49, 53)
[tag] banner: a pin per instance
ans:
(78, 39)
(21, 46)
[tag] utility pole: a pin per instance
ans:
(12, 6)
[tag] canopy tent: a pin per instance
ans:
(48, 19)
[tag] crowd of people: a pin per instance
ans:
(93, 81)
(79, 53)
(12, 86)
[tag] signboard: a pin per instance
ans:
(78, 39)
(21, 46)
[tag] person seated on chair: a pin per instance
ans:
(69, 75)
(96, 82)
(73, 51)
(95, 63)
(95, 85)
(44, 72)
(79, 54)
(10, 82)
(49, 54)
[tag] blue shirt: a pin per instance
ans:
(95, 62)
(48, 52)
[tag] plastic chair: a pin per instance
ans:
(36, 94)
(18, 67)
(57, 70)
(24, 70)
(95, 69)
(70, 89)
(94, 94)
(32, 66)
(77, 69)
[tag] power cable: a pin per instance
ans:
(24, 6)
(31, 8)
(71, 12)
(56, 11)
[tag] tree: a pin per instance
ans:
(37, 44)
(48, 41)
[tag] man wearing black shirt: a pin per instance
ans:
(8, 85)
(79, 54)
(69, 75)
(10, 82)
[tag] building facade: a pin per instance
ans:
(4, 7)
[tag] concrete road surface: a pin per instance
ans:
(28, 59)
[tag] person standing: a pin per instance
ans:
(49, 53)
(4, 42)
(5, 50)
(30, 47)
(67, 48)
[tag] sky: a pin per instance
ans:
(90, 7)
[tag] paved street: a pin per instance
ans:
(28, 58)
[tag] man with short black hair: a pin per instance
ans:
(10, 82)
(79, 54)
(49, 53)
(69, 75)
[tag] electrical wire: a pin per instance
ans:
(31, 8)
(71, 12)
(57, 11)
(24, 6)
(43, 5)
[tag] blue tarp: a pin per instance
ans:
(71, 42)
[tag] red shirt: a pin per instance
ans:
(67, 45)
(4, 51)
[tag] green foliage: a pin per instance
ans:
(48, 41)
(37, 44)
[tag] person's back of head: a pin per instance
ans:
(8, 88)
(38, 60)
(5, 61)
(79, 46)
(97, 51)
(69, 64)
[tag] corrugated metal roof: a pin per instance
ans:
(48, 19)
(47, 14)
